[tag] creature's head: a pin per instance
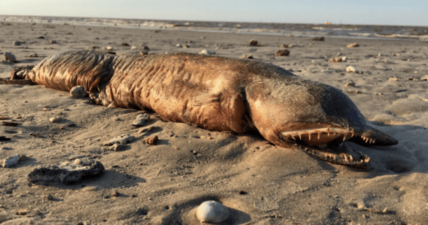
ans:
(314, 115)
(327, 115)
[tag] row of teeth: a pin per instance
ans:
(328, 131)
(309, 132)
(369, 140)
(343, 158)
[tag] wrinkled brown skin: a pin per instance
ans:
(215, 93)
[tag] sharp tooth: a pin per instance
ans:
(352, 134)
(344, 137)
(374, 140)
(319, 135)
(293, 137)
(309, 136)
(350, 158)
(300, 136)
(328, 133)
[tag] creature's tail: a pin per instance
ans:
(18, 76)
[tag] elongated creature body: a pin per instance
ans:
(219, 94)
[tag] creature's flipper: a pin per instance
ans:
(378, 136)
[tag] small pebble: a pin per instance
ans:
(49, 197)
(282, 52)
(353, 45)
(253, 43)
(152, 140)
(206, 52)
(55, 119)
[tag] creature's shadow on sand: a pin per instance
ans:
(109, 179)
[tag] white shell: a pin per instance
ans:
(351, 69)
(212, 212)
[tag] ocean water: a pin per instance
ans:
(286, 29)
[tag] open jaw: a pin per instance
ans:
(318, 141)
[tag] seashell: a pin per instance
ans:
(206, 52)
(351, 69)
(212, 212)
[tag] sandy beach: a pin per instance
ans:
(259, 183)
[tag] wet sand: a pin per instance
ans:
(260, 183)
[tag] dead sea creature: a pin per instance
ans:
(220, 94)
(212, 212)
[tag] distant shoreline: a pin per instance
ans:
(419, 33)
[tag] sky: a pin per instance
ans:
(373, 12)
